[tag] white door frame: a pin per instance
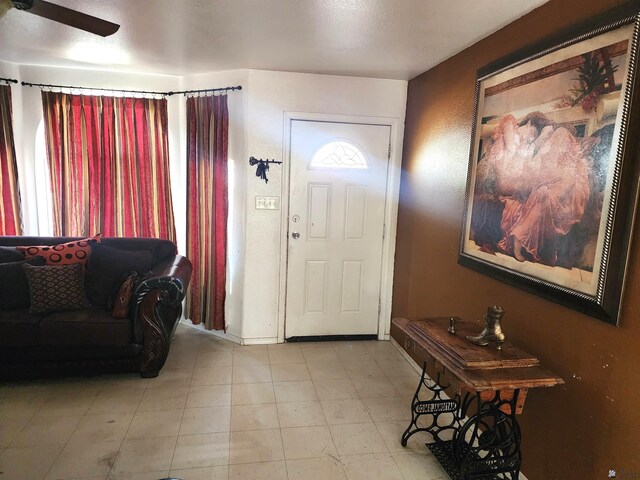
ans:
(390, 211)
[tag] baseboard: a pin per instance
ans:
(406, 356)
(216, 333)
(260, 341)
(273, 340)
(332, 338)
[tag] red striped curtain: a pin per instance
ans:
(207, 205)
(109, 165)
(10, 220)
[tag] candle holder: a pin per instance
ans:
(452, 326)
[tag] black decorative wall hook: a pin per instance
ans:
(262, 168)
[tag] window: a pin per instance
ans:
(339, 155)
(42, 194)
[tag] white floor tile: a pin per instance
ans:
(419, 465)
(325, 468)
(250, 356)
(261, 471)
(302, 391)
(201, 473)
(163, 398)
(145, 455)
(80, 460)
(161, 423)
(46, 431)
(388, 409)
(307, 442)
(345, 411)
(377, 466)
(300, 414)
(254, 417)
(206, 450)
(256, 446)
(205, 420)
(221, 411)
(285, 353)
(252, 393)
(319, 353)
(138, 476)
(251, 374)
(289, 372)
(102, 428)
(357, 439)
(209, 396)
(211, 376)
(340, 389)
(329, 370)
(28, 463)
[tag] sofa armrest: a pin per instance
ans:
(172, 274)
(157, 310)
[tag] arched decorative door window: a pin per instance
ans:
(339, 155)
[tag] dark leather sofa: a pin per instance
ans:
(90, 340)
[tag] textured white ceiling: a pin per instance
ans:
(373, 38)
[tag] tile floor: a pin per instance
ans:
(219, 411)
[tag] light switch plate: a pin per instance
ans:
(267, 203)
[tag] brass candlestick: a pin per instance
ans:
(492, 333)
(452, 326)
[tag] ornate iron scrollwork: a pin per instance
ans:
(441, 410)
(486, 446)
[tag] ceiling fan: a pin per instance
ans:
(61, 14)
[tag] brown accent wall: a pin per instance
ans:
(576, 431)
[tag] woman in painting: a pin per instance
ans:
(540, 174)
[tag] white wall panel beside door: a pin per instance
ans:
(337, 194)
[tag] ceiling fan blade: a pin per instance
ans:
(73, 18)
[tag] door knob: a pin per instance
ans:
(295, 235)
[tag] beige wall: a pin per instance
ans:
(591, 424)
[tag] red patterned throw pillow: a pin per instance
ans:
(63, 253)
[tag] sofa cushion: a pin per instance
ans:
(14, 288)
(18, 328)
(120, 308)
(10, 254)
(109, 267)
(62, 253)
(56, 287)
(84, 327)
(54, 360)
(160, 248)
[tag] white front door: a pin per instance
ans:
(336, 225)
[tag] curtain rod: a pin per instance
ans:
(8, 80)
(206, 90)
(142, 92)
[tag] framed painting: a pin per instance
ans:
(553, 180)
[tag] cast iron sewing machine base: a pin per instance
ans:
(485, 446)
